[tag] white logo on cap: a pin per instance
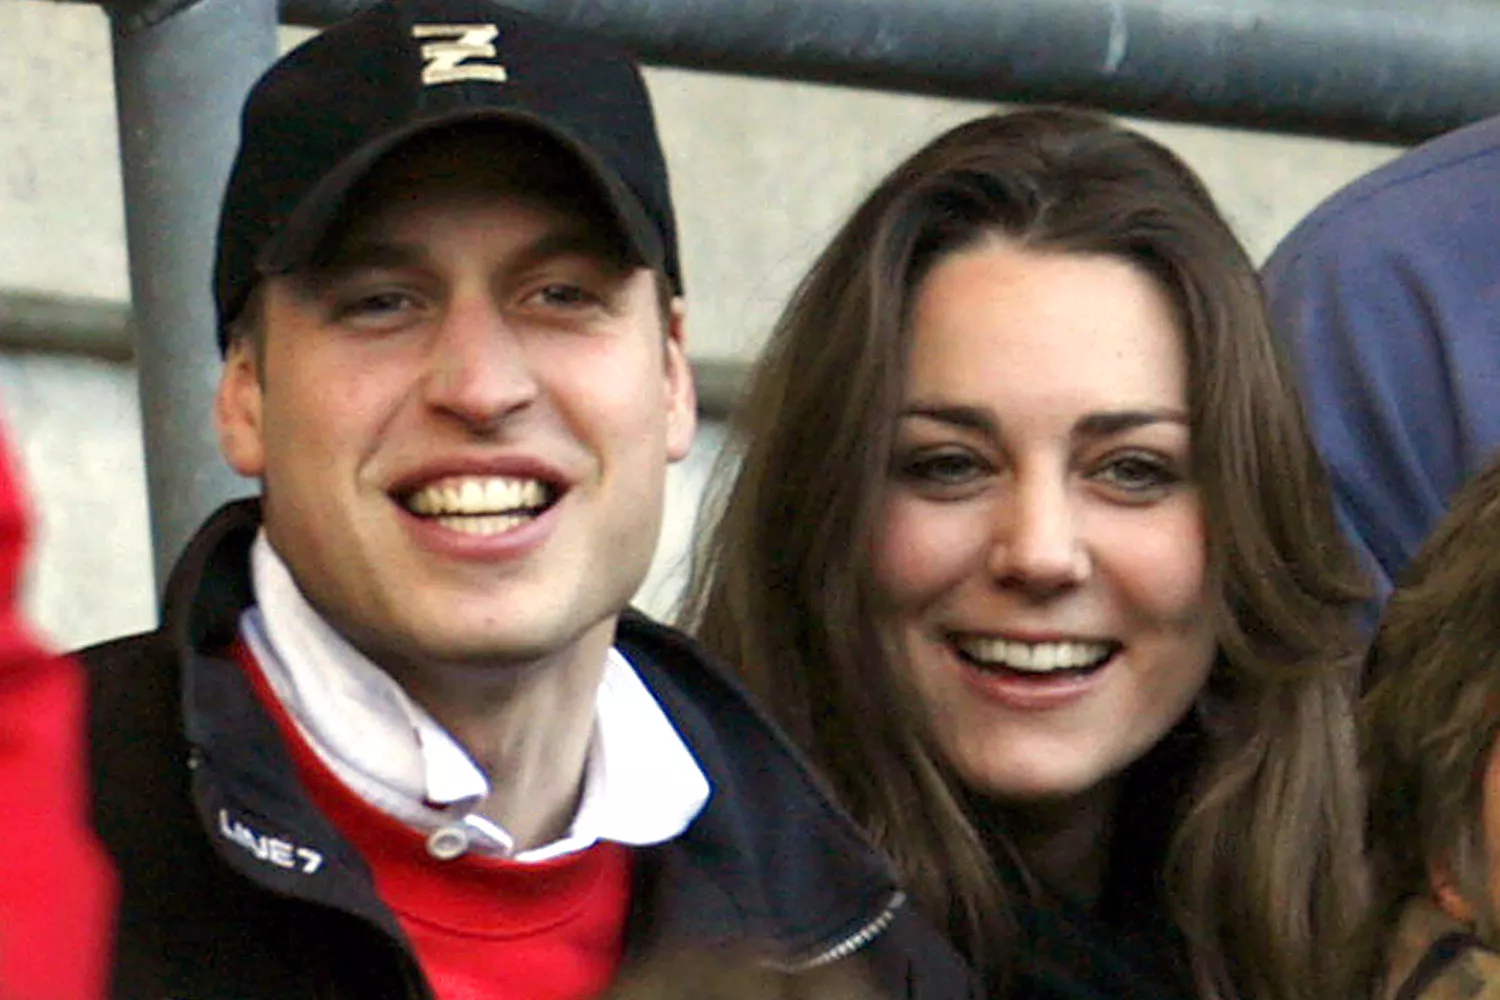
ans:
(447, 59)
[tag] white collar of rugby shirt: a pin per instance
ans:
(641, 783)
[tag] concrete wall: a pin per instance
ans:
(762, 171)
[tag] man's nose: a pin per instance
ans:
(479, 369)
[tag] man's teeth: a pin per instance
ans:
(461, 499)
(1035, 657)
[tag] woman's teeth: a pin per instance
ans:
(1034, 657)
(493, 524)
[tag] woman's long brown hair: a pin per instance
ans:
(1263, 873)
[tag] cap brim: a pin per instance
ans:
(299, 239)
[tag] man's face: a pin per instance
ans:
(463, 415)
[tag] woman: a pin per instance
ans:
(1030, 551)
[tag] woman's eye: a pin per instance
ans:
(944, 468)
(1139, 475)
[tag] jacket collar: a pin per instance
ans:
(771, 858)
(799, 872)
(245, 790)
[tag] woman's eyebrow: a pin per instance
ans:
(1112, 422)
(1100, 424)
(974, 418)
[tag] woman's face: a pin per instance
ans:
(1041, 550)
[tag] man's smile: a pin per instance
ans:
(481, 505)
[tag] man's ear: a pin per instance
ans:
(237, 410)
(1446, 894)
(682, 395)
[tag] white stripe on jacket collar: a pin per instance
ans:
(642, 784)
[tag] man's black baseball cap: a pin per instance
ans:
(328, 111)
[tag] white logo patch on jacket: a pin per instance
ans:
(275, 850)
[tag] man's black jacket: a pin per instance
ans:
(235, 887)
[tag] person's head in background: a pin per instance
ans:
(1030, 549)
(1429, 727)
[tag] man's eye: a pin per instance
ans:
(566, 296)
(376, 304)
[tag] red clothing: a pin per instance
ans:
(482, 928)
(57, 891)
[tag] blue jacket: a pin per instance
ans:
(1389, 294)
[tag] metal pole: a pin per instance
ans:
(1394, 70)
(179, 81)
(95, 327)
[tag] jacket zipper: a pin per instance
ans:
(847, 946)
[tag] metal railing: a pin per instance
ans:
(1371, 69)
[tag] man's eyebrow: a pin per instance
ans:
(375, 253)
(584, 241)
(361, 254)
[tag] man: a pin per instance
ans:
(397, 735)
(56, 888)
(1429, 731)
(1389, 293)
